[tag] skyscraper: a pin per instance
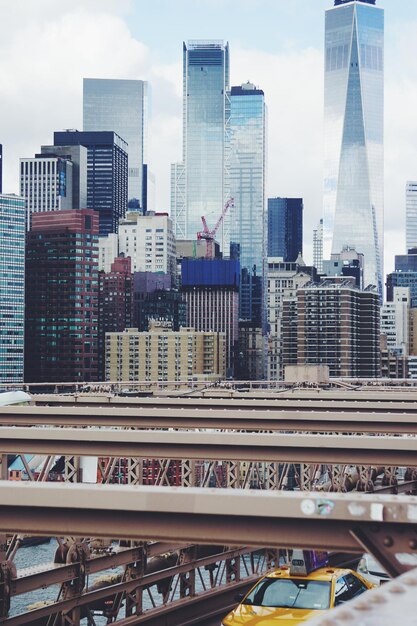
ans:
(122, 106)
(106, 173)
(199, 185)
(318, 247)
(78, 156)
(411, 215)
(12, 287)
(285, 228)
(354, 133)
(247, 185)
(46, 184)
(61, 335)
(1, 168)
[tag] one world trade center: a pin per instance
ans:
(354, 133)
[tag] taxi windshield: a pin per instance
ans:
(290, 593)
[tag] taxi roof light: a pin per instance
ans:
(304, 562)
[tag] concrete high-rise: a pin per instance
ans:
(122, 106)
(12, 287)
(354, 133)
(336, 324)
(411, 215)
(247, 186)
(199, 184)
(46, 184)
(318, 247)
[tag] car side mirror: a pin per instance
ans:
(239, 597)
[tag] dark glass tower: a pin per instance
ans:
(61, 334)
(107, 169)
(285, 228)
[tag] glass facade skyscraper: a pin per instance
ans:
(107, 164)
(285, 228)
(12, 287)
(354, 133)
(122, 106)
(199, 185)
(247, 174)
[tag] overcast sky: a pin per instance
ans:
(47, 47)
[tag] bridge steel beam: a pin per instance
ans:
(210, 516)
(324, 419)
(220, 446)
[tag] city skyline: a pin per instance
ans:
(296, 56)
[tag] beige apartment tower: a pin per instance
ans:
(164, 355)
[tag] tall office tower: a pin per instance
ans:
(61, 333)
(411, 215)
(78, 156)
(285, 228)
(106, 173)
(12, 287)
(211, 288)
(122, 106)
(115, 303)
(318, 247)
(46, 184)
(199, 185)
(354, 133)
(333, 323)
(247, 188)
(1, 168)
(149, 241)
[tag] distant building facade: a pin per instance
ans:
(161, 305)
(285, 228)
(411, 215)
(122, 106)
(346, 263)
(46, 184)
(162, 354)
(12, 288)
(150, 242)
(211, 289)
(318, 247)
(78, 157)
(61, 334)
(404, 275)
(115, 300)
(335, 324)
(283, 281)
(107, 173)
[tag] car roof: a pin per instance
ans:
(323, 573)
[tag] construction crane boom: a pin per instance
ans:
(210, 235)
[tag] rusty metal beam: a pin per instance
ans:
(214, 516)
(330, 449)
(324, 419)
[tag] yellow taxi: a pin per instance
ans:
(294, 594)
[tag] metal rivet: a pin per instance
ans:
(396, 589)
(388, 542)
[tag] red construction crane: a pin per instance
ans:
(210, 235)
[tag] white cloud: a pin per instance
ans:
(47, 47)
